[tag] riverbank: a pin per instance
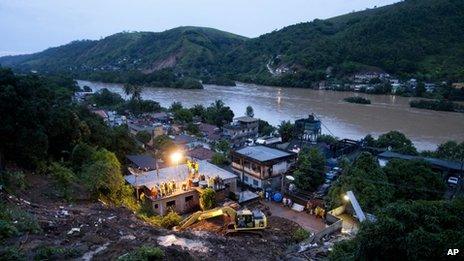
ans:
(437, 105)
(426, 128)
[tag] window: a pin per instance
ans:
(171, 203)
(255, 183)
(188, 198)
(256, 168)
(247, 164)
(156, 206)
(245, 178)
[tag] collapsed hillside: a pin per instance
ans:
(94, 230)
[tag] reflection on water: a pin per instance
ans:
(387, 112)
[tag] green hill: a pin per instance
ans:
(421, 38)
(128, 56)
(413, 38)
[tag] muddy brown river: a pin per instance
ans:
(425, 128)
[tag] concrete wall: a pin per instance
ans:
(334, 228)
(279, 168)
(181, 204)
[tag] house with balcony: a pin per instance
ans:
(178, 188)
(241, 130)
(261, 166)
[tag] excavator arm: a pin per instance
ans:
(202, 215)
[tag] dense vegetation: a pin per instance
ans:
(412, 38)
(43, 133)
(357, 99)
(310, 169)
(440, 105)
(165, 59)
(394, 141)
(417, 230)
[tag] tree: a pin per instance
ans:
(63, 178)
(121, 143)
(264, 128)
(414, 180)
(249, 111)
(328, 139)
(175, 106)
(193, 129)
(143, 136)
(199, 111)
(81, 154)
(222, 146)
(163, 145)
(368, 182)
(219, 114)
(183, 116)
(219, 159)
(286, 131)
(450, 150)
(310, 169)
(414, 230)
(133, 90)
(420, 89)
(397, 142)
(106, 98)
(207, 199)
(103, 176)
(86, 88)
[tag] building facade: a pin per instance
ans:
(262, 167)
(177, 188)
(308, 129)
(241, 130)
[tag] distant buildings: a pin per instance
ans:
(261, 166)
(240, 130)
(211, 133)
(308, 129)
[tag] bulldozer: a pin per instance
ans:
(240, 221)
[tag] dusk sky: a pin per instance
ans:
(28, 26)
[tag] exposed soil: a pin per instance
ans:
(103, 232)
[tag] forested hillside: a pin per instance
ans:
(413, 38)
(420, 38)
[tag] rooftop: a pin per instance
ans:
(262, 153)
(246, 119)
(448, 164)
(178, 174)
(201, 153)
(101, 113)
(183, 139)
(142, 161)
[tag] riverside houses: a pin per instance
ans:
(262, 166)
(240, 130)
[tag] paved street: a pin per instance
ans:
(309, 222)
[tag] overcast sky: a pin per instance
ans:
(33, 25)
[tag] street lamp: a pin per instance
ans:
(176, 157)
(346, 198)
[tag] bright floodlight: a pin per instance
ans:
(346, 198)
(176, 156)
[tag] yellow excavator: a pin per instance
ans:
(241, 220)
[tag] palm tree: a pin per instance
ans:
(133, 90)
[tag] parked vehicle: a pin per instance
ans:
(331, 175)
(453, 181)
(322, 191)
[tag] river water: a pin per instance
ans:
(425, 128)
